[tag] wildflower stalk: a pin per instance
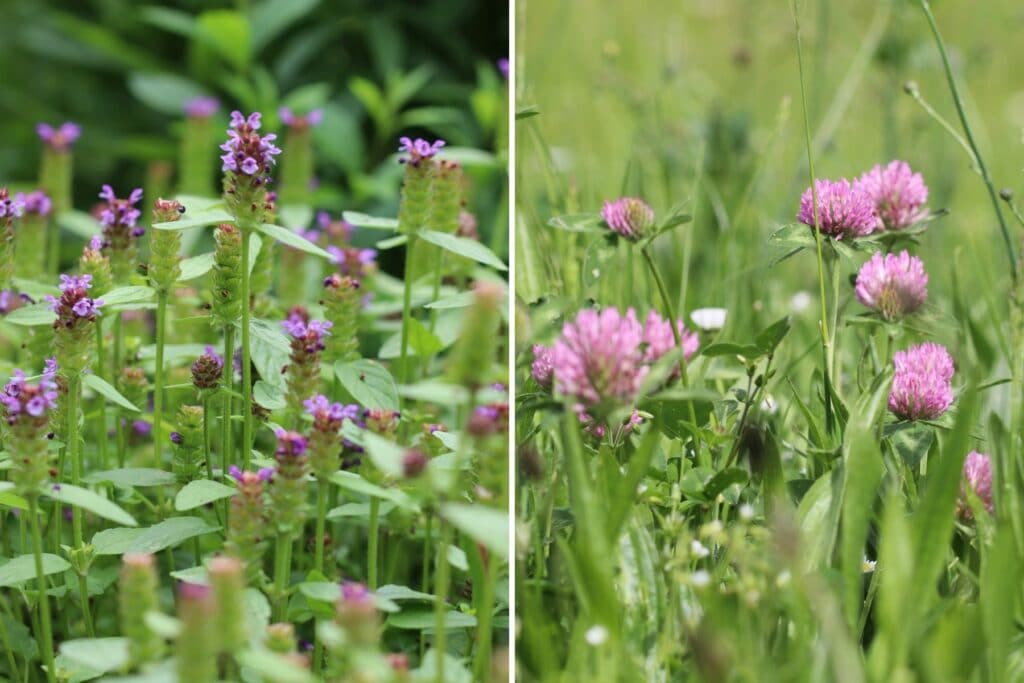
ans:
(484, 616)
(158, 384)
(441, 580)
(246, 352)
(321, 523)
(1011, 251)
(372, 543)
(46, 636)
(227, 432)
(406, 309)
(74, 399)
(282, 572)
(826, 338)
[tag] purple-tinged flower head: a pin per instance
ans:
(12, 301)
(307, 336)
(29, 403)
(246, 151)
(468, 226)
(35, 203)
(59, 139)
(844, 210)
(119, 213)
(599, 429)
(897, 193)
(327, 416)
(142, 427)
(630, 217)
(659, 338)
(263, 475)
(353, 261)
(202, 107)
(207, 369)
(543, 366)
(193, 592)
(11, 207)
(503, 67)
(176, 438)
(418, 150)
(414, 463)
(356, 613)
(488, 420)
(338, 230)
(120, 231)
(895, 285)
(381, 420)
(300, 122)
(74, 303)
(977, 477)
(921, 388)
(290, 445)
(599, 359)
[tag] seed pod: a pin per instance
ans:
(137, 587)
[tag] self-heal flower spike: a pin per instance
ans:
(921, 388)
(381, 421)
(196, 171)
(119, 218)
(475, 350)
(165, 246)
(844, 210)
(35, 203)
(96, 265)
(630, 217)
(247, 160)
(342, 300)
(207, 370)
(354, 261)
(201, 107)
(307, 343)
(247, 523)
(73, 328)
(227, 578)
(293, 120)
(60, 138)
(599, 359)
(894, 285)
(26, 408)
(137, 596)
(977, 479)
(898, 194)
(187, 444)
(325, 437)
(337, 230)
(298, 166)
(356, 612)
(288, 487)
(420, 166)
(30, 233)
(227, 275)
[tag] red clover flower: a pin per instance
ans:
(630, 217)
(844, 210)
(977, 476)
(898, 194)
(921, 388)
(895, 285)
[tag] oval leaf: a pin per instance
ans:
(23, 568)
(107, 390)
(370, 384)
(463, 246)
(200, 492)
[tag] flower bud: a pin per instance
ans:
(342, 300)
(227, 275)
(137, 595)
(476, 348)
(165, 246)
(197, 641)
(187, 444)
(247, 523)
(356, 612)
(381, 421)
(281, 638)
(227, 578)
(207, 370)
(630, 217)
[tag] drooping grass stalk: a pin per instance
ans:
(46, 637)
(826, 338)
(246, 352)
(372, 541)
(75, 455)
(1011, 251)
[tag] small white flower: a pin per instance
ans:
(712, 528)
(700, 579)
(783, 578)
(800, 302)
(596, 635)
(868, 566)
(709, 319)
(746, 512)
(769, 405)
(698, 549)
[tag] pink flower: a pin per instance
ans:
(660, 340)
(897, 193)
(844, 210)
(921, 388)
(61, 138)
(628, 216)
(35, 202)
(599, 359)
(418, 150)
(542, 367)
(201, 107)
(892, 284)
(977, 477)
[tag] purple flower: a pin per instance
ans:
(921, 388)
(289, 444)
(340, 230)
(660, 340)
(898, 194)
(11, 207)
(118, 218)
(352, 591)
(418, 150)
(201, 107)
(844, 210)
(308, 335)
(142, 428)
(59, 139)
(11, 300)
(978, 478)
(503, 67)
(29, 402)
(36, 202)
(176, 438)
(327, 416)
(353, 261)
(293, 120)
(630, 217)
(599, 359)
(246, 151)
(74, 302)
(543, 365)
(894, 285)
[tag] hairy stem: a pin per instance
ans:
(246, 354)
(46, 637)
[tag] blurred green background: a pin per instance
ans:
(630, 97)
(123, 68)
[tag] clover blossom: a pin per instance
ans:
(921, 388)
(660, 340)
(898, 194)
(977, 476)
(894, 285)
(844, 210)
(630, 217)
(542, 369)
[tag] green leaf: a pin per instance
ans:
(747, 351)
(350, 481)
(369, 383)
(123, 296)
(270, 351)
(362, 220)
(292, 239)
(268, 395)
(485, 525)
(166, 534)
(330, 592)
(98, 654)
(277, 668)
(107, 390)
(128, 477)
(196, 266)
(200, 492)
(463, 246)
(79, 222)
(79, 497)
(30, 316)
(270, 18)
(460, 300)
(386, 456)
(422, 342)
(227, 33)
(457, 558)
(769, 339)
(423, 620)
(578, 222)
(167, 93)
(23, 568)
(400, 593)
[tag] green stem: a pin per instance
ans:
(371, 543)
(321, 523)
(1011, 252)
(484, 614)
(227, 382)
(75, 455)
(158, 387)
(101, 419)
(246, 353)
(441, 580)
(282, 572)
(406, 308)
(206, 434)
(428, 540)
(46, 644)
(119, 430)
